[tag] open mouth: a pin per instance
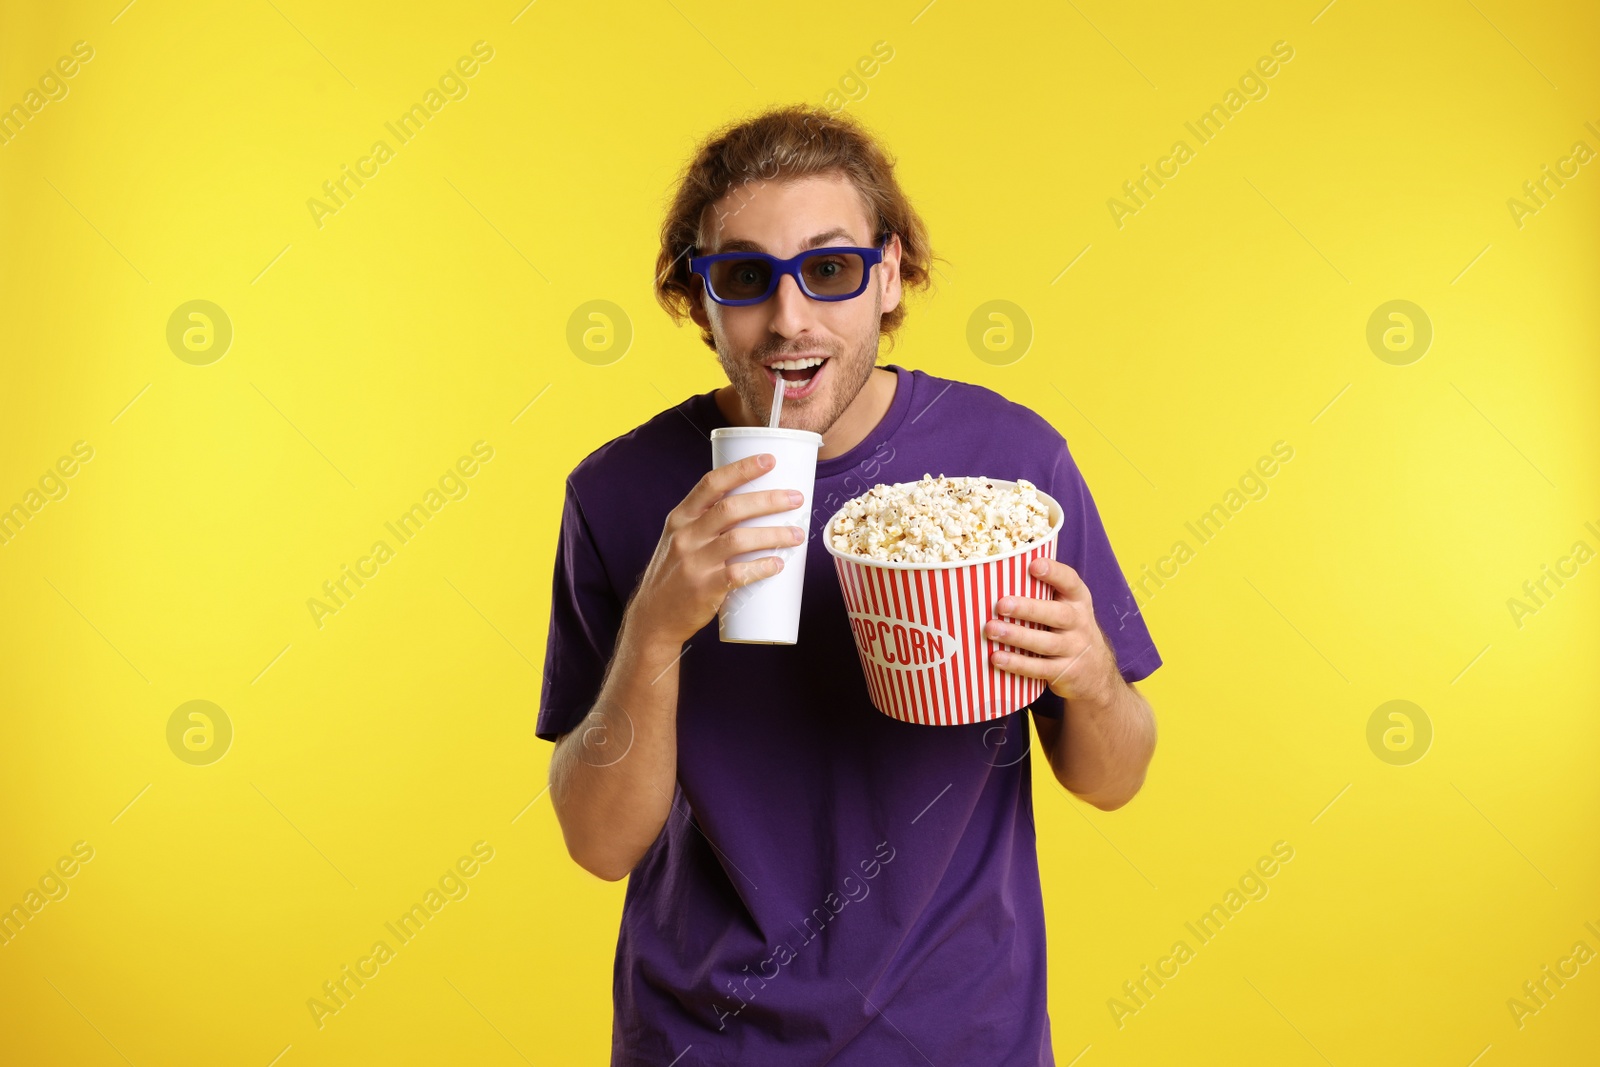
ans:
(801, 374)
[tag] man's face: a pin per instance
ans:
(783, 219)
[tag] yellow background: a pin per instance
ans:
(368, 354)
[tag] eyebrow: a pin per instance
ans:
(814, 241)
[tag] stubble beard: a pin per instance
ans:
(850, 372)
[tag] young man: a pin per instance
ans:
(813, 881)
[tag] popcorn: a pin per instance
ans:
(940, 520)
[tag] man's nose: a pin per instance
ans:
(791, 308)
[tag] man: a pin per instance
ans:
(813, 881)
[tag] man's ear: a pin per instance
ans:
(891, 274)
(697, 305)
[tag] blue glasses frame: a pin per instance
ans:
(870, 257)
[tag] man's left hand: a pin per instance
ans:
(1071, 654)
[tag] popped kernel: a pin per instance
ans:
(940, 520)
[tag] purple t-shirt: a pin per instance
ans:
(832, 885)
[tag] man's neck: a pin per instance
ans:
(863, 415)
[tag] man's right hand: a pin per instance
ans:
(689, 576)
(612, 808)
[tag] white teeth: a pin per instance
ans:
(796, 364)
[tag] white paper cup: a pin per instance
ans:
(767, 611)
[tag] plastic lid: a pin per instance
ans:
(765, 431)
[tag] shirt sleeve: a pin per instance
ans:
(585, 617)
(1084, 546)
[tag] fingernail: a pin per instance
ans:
(1005, 605)
(797, 534)
(764, 460)
(796, 497)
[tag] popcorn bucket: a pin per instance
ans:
(918, 629)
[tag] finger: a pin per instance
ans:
(1046, 667)
(1028, 639)
(735, 508)
(752, 539)
(1056, 614)
(714, 483)
(1049, 668)
(742, 574)
(1060, 577)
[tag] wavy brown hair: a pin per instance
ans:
(784, 144)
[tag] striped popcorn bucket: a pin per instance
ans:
(918, 629)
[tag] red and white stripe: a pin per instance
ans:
(948, 608)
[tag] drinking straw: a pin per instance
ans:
(777, 402)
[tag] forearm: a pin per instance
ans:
(1102, 748)
(612, 777)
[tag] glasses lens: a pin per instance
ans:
(833, 273)
(740, 279)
